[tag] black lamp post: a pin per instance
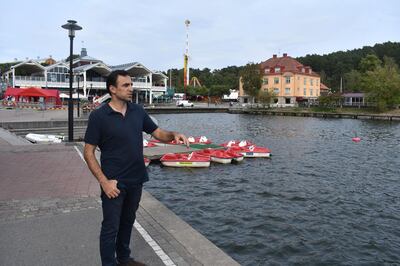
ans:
(71, 26)
(77, 91)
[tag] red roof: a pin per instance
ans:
(322, 86)
(287, 64)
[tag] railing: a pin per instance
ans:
(95, 84)
(55, 84)
(30, 78)
(141, 85)
(28, 81)
(159, 88)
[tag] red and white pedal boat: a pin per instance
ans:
(237, 143)
(199, 140)
(193, 159)
(222, 156)
(253, 151)
(148, 144)
(146, 161)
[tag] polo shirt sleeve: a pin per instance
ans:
(93, 130)
(148, 124)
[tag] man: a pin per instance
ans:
(116, 128)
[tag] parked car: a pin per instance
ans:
(184, 103)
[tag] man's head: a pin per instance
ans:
(119, 84)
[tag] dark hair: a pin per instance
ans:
(112, 78)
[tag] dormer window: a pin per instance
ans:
(277, 69)
(266, 71)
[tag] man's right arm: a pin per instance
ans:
(109, 186)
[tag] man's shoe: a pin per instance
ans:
(131, 262)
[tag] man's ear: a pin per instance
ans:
(112, 89)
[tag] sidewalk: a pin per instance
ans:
(50, 214)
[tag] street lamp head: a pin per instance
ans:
(71, 26)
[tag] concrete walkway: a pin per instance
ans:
(50, 214)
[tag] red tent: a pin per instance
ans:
(13, 92)
(47, 94)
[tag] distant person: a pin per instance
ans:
(116, 128)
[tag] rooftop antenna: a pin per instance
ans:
(186, 59)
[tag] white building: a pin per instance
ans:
(89, 77)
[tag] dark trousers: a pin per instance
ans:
(118, 217)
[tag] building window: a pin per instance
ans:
(277, 69)
(276, 90)
(276, 80)
(311, 92)
(311, 82)
(317, 81)
(265, 80)
(287, 90)
(287, 80)
(305, 92)
(305, 81)
(266, 71)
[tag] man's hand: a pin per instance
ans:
(178, 137)
(167, 136)
(110, 188)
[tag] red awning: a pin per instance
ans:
(12, 92)
(34, 92)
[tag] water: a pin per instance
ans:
(321, 200)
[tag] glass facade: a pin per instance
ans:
(58, 74)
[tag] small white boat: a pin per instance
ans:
(41, 138)
(185, 160)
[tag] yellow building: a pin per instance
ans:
(289, 80)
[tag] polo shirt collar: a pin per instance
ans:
(109, 110)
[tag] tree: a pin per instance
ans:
(369, 63)
(353, 81)
(382, 85)
(330, 100)
(251, 79)
(265, 97)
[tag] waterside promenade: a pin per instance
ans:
(50, 213)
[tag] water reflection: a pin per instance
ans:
(321, 199)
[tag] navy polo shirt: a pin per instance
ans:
(120, 140)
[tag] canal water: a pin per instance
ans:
(321, 199)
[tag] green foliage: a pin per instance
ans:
(219, 81)
(335, 65)
(330, 100)
(369, 63)
(265, 97)
(382, 85)
(353, 81)
(251, 79)
(6, 66)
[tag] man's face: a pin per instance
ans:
(123, 90)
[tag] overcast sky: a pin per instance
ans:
(222, 32)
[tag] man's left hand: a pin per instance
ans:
(178, 137)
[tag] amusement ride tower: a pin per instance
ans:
(186, 59)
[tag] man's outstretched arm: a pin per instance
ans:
(109, 186)
(167, 136)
